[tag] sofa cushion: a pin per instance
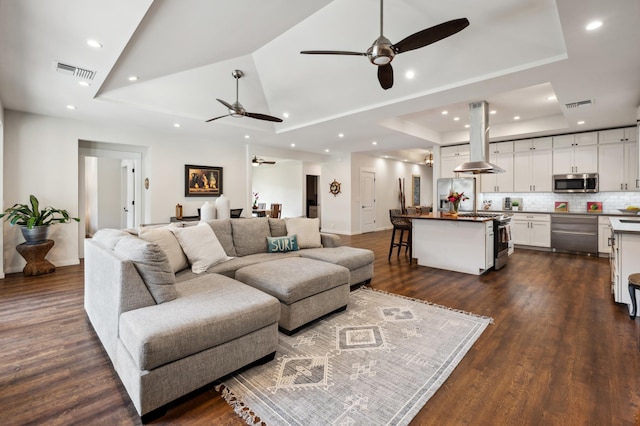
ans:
(278, 227)
(349, 257)
(230, 267)
(250, 235)
(152, 265)
(167, 242)
(210, 310)
(110, 237)
(307, 230)
(282, 244)
(223, 231)
(201, 246)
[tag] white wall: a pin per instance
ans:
(41, 157)
(336, 211)
(281, 183)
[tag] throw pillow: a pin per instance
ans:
(278, 227)
(167, 242)
(307, 230)
(152, 265)
(250, 235)
(110, 237)
(201, 246)
(282, 244)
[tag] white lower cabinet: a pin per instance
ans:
(531, 230)
(604, 235)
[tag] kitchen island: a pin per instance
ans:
(460, 244)
(625, 252)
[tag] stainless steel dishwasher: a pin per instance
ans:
(574, 234)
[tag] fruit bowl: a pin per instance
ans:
(629, 211)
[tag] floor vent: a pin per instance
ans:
(74, 71)
(579, 104)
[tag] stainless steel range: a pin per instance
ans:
(501, 236)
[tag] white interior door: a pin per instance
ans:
(367, 201)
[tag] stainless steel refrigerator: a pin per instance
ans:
(466, 185)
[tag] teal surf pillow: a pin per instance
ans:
(282, 244)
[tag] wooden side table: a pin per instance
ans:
(35, 254)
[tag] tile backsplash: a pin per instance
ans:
(545, 201)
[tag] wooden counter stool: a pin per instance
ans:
(634, 284)
(402, 224)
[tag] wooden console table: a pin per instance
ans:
(35, 254)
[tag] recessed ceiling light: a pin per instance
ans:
(293, 145)
(285, 115)
(466, 126)
(374, 143)
(410, 74)
(456, 118)
(581, 122)
(133, 78)
(445, 112)
(71, 107)
(386, 156)
(94, 43)
(176, 125)
(84, 83)
(341, 135)
(405, 160)
(593, 25)
(326, 150)
(517, 117)
(247, 136)
(551, 98)
(493, 111)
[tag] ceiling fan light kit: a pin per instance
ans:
(382, 51)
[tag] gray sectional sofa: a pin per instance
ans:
(178, 307)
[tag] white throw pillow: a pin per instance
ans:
(307, 231)
(167, 242)
(201, 246)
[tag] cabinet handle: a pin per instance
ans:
(609, 241)
(625, 186)
(530, 188)
(621, 186)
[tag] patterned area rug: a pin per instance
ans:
(377, 363)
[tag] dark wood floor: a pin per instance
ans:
(560, 351)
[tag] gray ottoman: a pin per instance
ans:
(307, 289)
(358, 261)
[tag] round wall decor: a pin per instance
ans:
(334, 187)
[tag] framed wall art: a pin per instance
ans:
(202, 181)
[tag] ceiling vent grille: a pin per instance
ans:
(74, 71)
(580, 104)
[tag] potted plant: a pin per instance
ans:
(515, 205)
(33, 221)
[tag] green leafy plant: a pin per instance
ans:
(30, 215)
(515, 203)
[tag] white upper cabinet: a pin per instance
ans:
(532, 165)
(500, 154)
(577, 153)
(451, 157)
(618, 160)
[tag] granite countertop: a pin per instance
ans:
(625, 225)
(605, 213)
(445, 216)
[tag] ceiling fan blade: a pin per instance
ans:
(263, 117)
(268, 162)
(211, 119)
(385, 76)
(332, 52)
(228, 105)
(431, 35)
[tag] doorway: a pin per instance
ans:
(312, 196)
(367, 201)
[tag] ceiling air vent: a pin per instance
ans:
(579, 104)
(74, 71)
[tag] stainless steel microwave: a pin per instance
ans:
(585, 182)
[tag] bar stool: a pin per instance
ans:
(402, 224)
(634, 284)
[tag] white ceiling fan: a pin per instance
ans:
(259, 162)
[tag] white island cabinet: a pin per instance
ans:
(456, 245)
(625, 253)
